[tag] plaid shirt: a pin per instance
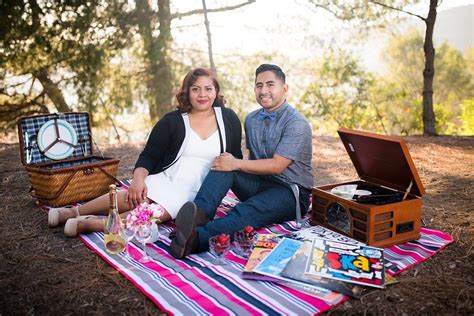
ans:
(288, 135)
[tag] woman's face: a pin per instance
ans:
(202, 94)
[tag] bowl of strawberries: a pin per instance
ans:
(219, 246)
(244, 240)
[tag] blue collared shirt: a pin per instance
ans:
(288, 135)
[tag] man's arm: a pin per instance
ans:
(273, 166)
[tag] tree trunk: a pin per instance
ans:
(54, 93)
(429, 122)
(163, 75)
(157, 50)
(209, 39)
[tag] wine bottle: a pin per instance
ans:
(114, 236)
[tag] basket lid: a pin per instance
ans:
(40, 142)
(383, 160)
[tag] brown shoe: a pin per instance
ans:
(185, 241)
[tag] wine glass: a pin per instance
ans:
(244, 243)
(219, 249)
(143, 234)
(129, 232)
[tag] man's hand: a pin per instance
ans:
(225, 162)
(137, 192)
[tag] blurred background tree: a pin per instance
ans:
(122, 61)
(105, 54)
(56, 46)
(370, 13)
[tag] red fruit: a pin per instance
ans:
(223, 239)
(248, 229)
(248, 232)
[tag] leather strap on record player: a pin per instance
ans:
(408, 190)
(296, 193)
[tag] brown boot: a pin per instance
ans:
(186, 240)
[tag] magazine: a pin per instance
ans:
(274, 263)
(308, 234)
(346, 262)
(263, 245)
(295, 270)
(277, 259)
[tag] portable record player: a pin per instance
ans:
(383, 207)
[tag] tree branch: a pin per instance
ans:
(397, 9)
(200, 11)
(336, 15)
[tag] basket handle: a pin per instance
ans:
(66, 183)
(117, 181)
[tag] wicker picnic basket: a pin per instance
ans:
(66, 171)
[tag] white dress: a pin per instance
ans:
(180, 183)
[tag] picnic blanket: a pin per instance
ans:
(194, 286)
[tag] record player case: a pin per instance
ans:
(382, 161)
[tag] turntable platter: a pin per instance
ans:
(348, 191)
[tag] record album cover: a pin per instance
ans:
(349, 263)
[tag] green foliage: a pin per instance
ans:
(467, 117)
(64, 45)
(339, 95)
(452, 84)
(342, 93)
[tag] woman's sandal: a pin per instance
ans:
(54, 214)
(70, 229)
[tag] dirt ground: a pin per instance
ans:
(43, 272)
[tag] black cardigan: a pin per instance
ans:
(168, 135)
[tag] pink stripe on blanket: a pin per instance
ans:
(203, 277)
(410, 253)
(131, 279)
(440, 234)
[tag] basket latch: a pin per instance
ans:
(88, 171)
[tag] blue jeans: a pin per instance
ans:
(264, 201)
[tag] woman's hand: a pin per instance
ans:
(138, 191)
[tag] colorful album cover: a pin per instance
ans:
(274, 263)
(295, 269)
(276, 260)
(308, 234)
(349, 263)
(263, 245)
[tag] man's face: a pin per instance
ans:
(270, 91)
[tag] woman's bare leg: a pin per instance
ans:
(100, 205)
(97, 224)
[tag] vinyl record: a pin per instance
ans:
(348, 191)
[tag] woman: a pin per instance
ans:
(176, 159)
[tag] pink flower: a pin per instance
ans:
(145, 213)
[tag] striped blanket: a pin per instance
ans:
(194, 286)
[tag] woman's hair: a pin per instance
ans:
(184, 104)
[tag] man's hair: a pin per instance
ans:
(273, 68)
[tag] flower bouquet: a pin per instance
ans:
(142, 222)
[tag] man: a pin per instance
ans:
(274, 182)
